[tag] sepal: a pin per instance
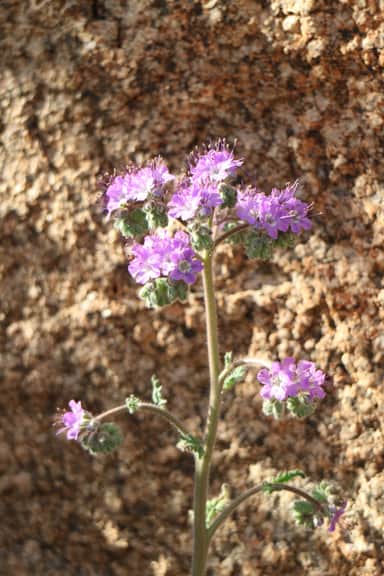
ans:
(132, 224)
(228, 194)
(300, 406)
(156, 216)
(201, 237)
(160, 292)
(282, 478)
(273, 408)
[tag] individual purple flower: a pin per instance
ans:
(336, 514)
(147, 261)
(149, 180)
(216, 164)
(115, 195)
(248, 205)
(194, 199)
(185, 266)
(311, 379)
(272, 216)
(294, 211)
(279, 380)
(73, 420)
(286, 379)
(162, 255)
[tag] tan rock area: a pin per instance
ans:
(87, 85)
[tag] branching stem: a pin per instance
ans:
(251, 492)
(203, 465)
(165, 414)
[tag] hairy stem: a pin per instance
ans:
(254, 490)
(202, 465)
(165, 414)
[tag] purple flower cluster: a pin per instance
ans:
(137, 185)
(199, 194)
(73, 421)
(166, 256)
(287, 379)
(278, 212)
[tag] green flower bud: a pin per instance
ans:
(132, 403)
(103, 439)
(300, 406)
(304, 513)
(201, 237)
(156, 216)
(228, 194)
(273, 408)
(132, 224)
(160, 292)
(258, 245)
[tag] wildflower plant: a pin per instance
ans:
(172, 227)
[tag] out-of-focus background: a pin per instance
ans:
(87, 86)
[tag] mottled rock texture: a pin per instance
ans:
(89, 85)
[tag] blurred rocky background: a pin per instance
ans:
(89, 85)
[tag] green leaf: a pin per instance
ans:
(322, 492)
(157, 397)
(237, 375)
(281, 478)
(217, 505)
(189, 443)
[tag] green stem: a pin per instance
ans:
(165, 414)
(202, 465)
(254, 490)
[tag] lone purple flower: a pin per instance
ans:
(336, 515)
(286, 379)
(73, 420)
(216, 164)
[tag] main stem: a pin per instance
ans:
(202, 465)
